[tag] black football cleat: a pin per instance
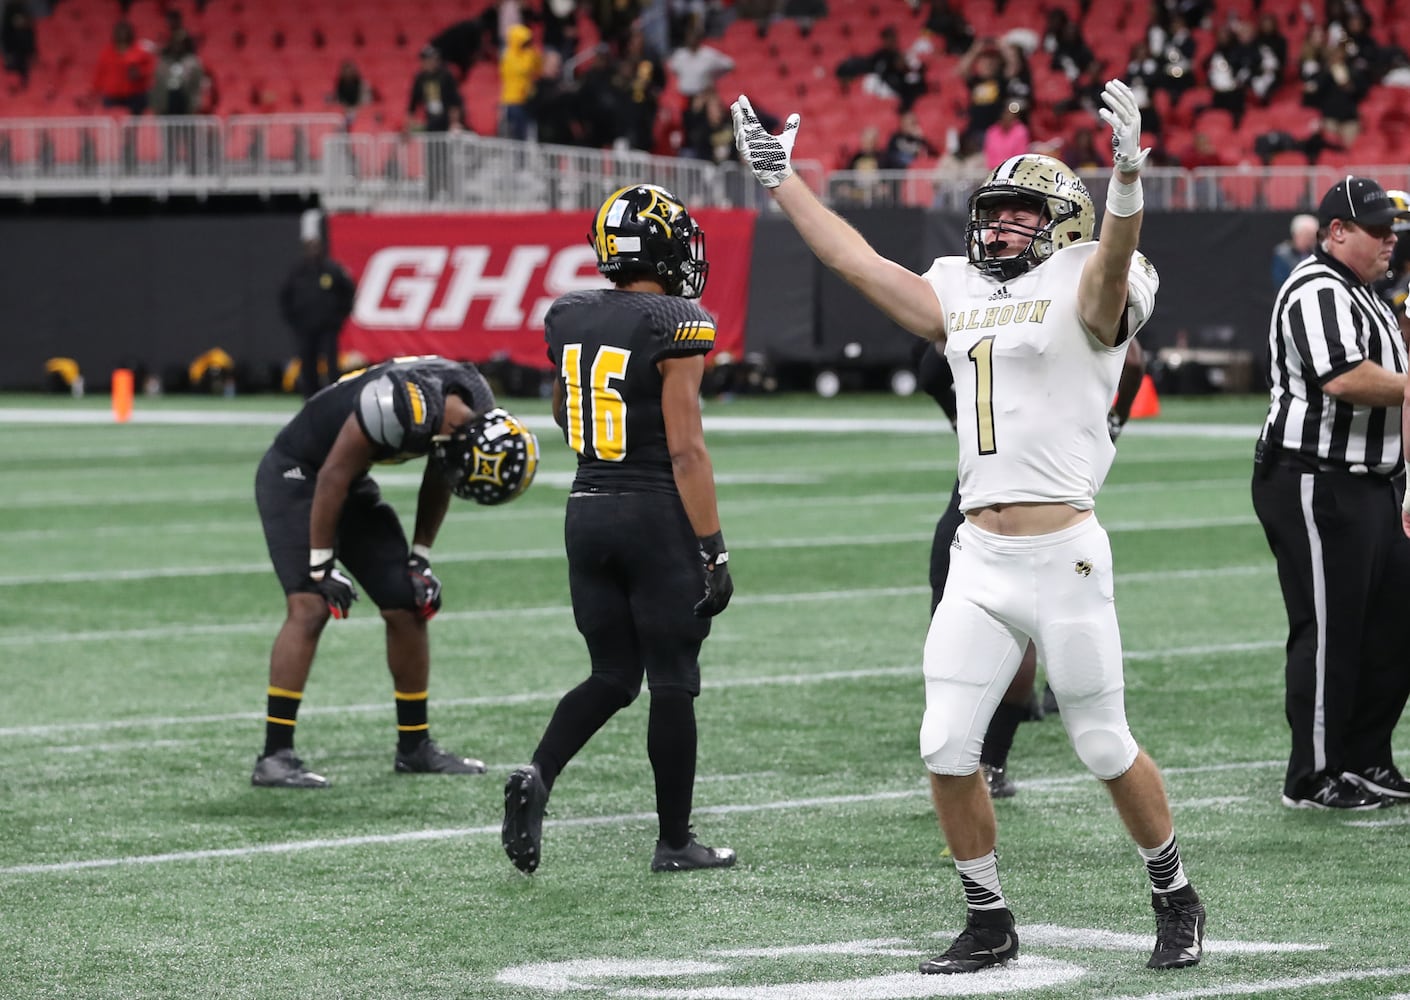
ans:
(1179, 929)
(525, 800)
(1001, 786)
(282, 769)
(692, 856)
(1331, 791)
(988, 938)
(428, 758)
(1386, 782)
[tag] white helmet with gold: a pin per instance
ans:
(1040, 182)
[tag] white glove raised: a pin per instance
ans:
(1124, 116)
(767, 155)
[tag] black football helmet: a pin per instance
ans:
(644, 231)
(490, 459)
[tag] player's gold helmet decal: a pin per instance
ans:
(491, 459)
(1401, 201)
(1042, 183)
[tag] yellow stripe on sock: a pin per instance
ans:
(279, 722)
(412, 695)
(414, 729)
(275, 692)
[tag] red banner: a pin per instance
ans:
(476, 287)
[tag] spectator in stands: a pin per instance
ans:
(123, 76)
(614, 20)
(864, 164)
(1301, 241)
(1309, 63)
(463, 43)
(18, 46)
(1228, 70)
(350, 91)
(959, 170)
(519, 66)
(1363, 53)
(554, 104)
(708, 130)
(949, 25)
(1070, 54)
(698, 66)
(1271, 47)
(907, 144)
(982, 70)
(560, 27)
(887, 72)
(435, 96)
(178, 78)
(641, 78)
(1143, 75)
(601, 101)
(1009, 136)
(1080, 152)
(1174, 45)
(1339, 89)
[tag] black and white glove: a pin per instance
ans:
(1123, 114)
(1114, 424)
(719, 588)
(424, 585)
(335, 588)
(768, 155)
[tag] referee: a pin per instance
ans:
(1327, 486)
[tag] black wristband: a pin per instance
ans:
(712, 545)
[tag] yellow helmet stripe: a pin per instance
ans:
(599, 231)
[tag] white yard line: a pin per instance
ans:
(455, 833)
(556, 552)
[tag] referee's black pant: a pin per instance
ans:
(1344, 568)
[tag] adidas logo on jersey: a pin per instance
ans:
(295, 473)
(1002, 293)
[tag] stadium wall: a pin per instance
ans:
(153, 293)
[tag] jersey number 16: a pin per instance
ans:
(596, 412)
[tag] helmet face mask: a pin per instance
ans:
(644, 231)
(1042, 184)
(490, 459)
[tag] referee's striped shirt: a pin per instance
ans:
(1325, 322)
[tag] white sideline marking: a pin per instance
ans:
(1372, 824)
(501, 700)
(1272, 985)
(556, 552)
(251, 526)
(368, 620)
(416, 836)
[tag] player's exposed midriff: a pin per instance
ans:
(1025, 518)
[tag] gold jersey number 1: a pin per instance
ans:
(600, 407)
(982, 354)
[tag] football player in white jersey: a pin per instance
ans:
(1034, 321)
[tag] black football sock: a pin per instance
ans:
(670, 743)
(412, 727)
(580, 714)
(998, 740)
(280, 716)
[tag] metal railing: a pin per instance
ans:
(160, 157)
(466, 173)
(459, 172)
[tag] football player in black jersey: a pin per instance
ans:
(318, 505)
(647, 564)
(1019, 704)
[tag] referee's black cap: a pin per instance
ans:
(1359, 199)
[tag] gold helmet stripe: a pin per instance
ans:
(599, 230)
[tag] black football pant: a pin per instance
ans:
(1344, 568)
